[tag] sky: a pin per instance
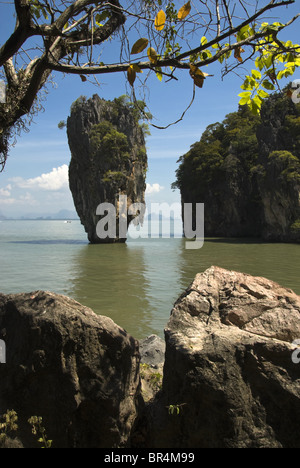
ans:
(35, 180)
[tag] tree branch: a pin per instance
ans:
(235, 30)
(24, 29)
(10, 73)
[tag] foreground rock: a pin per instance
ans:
(77, 370)
(152, 351)
(108, 160)
(229, 380)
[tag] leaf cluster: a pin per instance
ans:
(9, 426)
(38, 429)
(108, 141)
(275, 61)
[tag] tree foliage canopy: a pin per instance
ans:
(234, 143)
(141, 37)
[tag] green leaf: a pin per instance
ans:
(268, 85)
(245, 98)
(243, 33)
(259, 63)
(159, 73)
(255, 105)
(262, 94)
(256, 75)
(268, 60)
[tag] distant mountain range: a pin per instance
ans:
(62, 214)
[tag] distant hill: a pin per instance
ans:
(62, 214)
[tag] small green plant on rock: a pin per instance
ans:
(38, 429)
(175, 409)
(153, 378)
(8, 425)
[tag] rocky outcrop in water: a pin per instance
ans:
(108, 160)
(246, 170)
(229, 377)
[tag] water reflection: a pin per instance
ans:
(278, 262)
(136, 284)
(110, 279)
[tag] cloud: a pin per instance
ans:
(46, 193)
(55, 180)
(154, 188)
(23, 200)
(7, 201)
(5, 192)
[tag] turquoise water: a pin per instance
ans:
(135, 283)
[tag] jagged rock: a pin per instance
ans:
(152, 351)
(108, 160)
(77, 370)
(229, 378)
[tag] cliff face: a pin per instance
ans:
(108, 160)
(247, 172)
(279, 187)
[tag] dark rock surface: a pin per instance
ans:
(108, 160)
(228, 372)
(228, 381)
(279, 187)
(246, 170)
(77, 370)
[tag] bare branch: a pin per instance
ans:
(228, 14)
